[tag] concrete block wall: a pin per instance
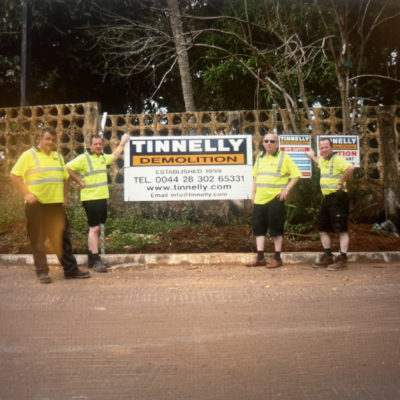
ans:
(20, 128)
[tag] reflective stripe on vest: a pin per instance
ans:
(94, 172)
(43, 169)
(274, 174)
(324, 177)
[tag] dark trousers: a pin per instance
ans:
(49, 221)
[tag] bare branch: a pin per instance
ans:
(374, 76)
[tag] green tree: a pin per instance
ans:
(65, 67)
(243, 54)
(274, 45)
(10, 27)
(349, 26)
(301, 52)
(148, 38)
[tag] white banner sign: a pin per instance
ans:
(297, 146)
(347, 146)
(188, 168)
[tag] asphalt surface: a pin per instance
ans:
(206, 332)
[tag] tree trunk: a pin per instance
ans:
(182, 54)
(391, 180)
(344, 94)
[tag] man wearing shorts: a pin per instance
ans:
(274, 175)
(334, 213)
(89, 170)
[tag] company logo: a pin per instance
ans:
(188, 151)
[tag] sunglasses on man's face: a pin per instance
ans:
(269, 141)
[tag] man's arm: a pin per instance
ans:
(253, 190)
(65, 192)
(75, 177)
(125, 137)
(285, 192)
(311, 154)
(29, 197)
(347, 174)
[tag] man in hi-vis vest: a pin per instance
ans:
(334, 213)
(89, 170)
(274, 175)
(40, 176)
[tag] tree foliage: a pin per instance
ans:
(303, 52)
(65, 67)
(243, 54)
(148, 40)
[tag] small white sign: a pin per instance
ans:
(347, 146)
(188, 168)
(297, 146)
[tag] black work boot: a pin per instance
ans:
(90, 259)
(324, 261)
(98, 264)
(76, 274)
(340, 263)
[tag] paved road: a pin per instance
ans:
(204, 333)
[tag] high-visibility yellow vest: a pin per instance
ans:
(93, 171)
(272, 174)
(331, 171)
(42, 174)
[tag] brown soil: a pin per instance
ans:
(220, 239)
(237, 240)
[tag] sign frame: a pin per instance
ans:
(347, 146)
(297, 146)
(182, 168)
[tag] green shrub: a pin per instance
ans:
(132, 223)
(11, 203)
(303, 206)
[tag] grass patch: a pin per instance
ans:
(122, 234)
(133, 233)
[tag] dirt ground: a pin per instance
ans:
(205, 333)
(231, 239)
(220, 239)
